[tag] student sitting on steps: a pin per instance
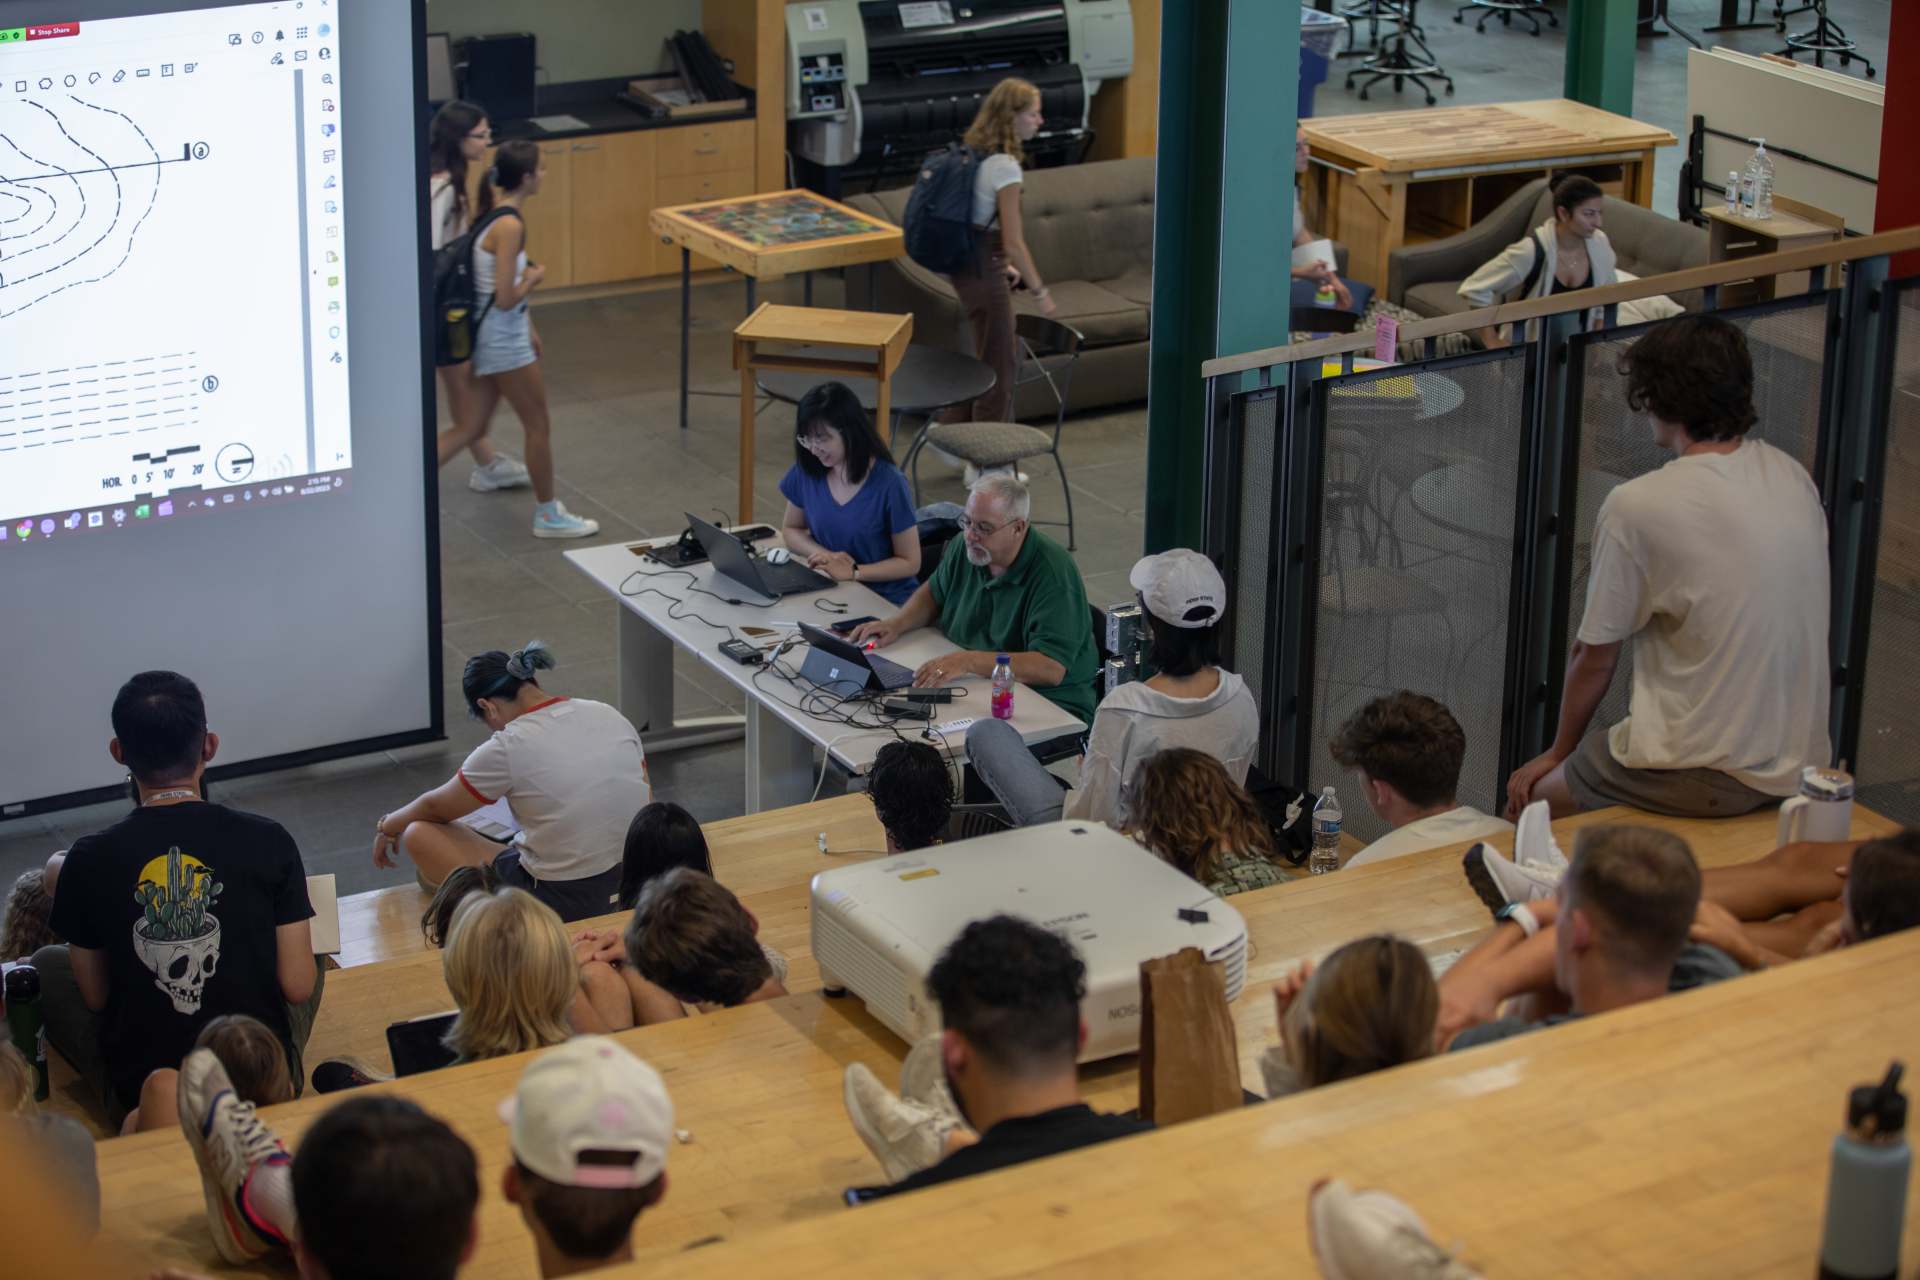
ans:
(590, 1129)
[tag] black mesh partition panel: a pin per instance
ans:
(1788, 341)
(1256, 540)
(1887, 771)
(1414, 540)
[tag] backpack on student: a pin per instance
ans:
(940, 234)
(456, 311)
(1533, 272)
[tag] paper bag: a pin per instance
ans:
(1189, 1055)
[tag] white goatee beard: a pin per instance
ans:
(979, 554)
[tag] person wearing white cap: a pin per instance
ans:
(590, 1125)
(1190, 702)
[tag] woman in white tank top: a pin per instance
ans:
(458, 136)
(506, 349)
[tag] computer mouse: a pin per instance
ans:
(779, 555)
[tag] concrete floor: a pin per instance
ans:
(611, 366)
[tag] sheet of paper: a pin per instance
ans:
(1386, 338)
(326, 915)
(1313, 251)
(495, 821)
(926, 13)
(559, 124)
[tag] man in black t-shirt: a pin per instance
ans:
(1009, 995)
(179, 913)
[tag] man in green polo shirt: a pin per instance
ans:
(1004, 587)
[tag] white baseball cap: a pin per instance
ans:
(1176, 583)
(590, 1095)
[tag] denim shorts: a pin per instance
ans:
(505, 342)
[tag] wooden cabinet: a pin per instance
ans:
(588, 225)
(613, 188)
(550, 217)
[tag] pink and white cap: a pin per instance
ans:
(587, 1097)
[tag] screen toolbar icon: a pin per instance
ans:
(95, 519)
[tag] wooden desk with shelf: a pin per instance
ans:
(1390, 178)
(1733, 237)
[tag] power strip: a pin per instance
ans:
(940, 731)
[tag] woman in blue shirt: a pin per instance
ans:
(849, 512)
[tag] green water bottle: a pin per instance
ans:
(25, 1026)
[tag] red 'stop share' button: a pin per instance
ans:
(57, 29)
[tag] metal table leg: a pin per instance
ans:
(644, 691)
(780, 768)
(686, 323)
(809, 301)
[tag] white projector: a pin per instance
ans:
(879, 926)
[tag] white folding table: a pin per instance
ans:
(781, 737)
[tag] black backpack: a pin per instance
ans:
(456, 312)
(940, 234)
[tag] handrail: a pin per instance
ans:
(1890, 242)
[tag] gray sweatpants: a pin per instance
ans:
(74, 1029)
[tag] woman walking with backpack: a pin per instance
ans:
(506, 350)
(1009, 116)
(458, 136)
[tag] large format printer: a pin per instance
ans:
(873, 85)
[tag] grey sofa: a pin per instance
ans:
(1090, 227)
(1425, 278)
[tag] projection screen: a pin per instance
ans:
(213, 390)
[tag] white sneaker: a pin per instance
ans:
(923, 1079)
(1499, 881)
(228, 1140)
(1374, 1236)
(777, 961)
(563, 523)
(1533, 842)
(502, 473)
(905, 1137)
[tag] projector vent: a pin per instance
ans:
(880, 984)
(1235, 955)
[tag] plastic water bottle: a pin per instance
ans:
(24, 1026)
(1003, 687)
(1733, 194)
(1326, 834)
(1324, 296)
(1867, 1187)
(1756, 183)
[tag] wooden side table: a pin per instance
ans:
(773, 234)
(1390, 178)
(884, 335)
(1734, 237)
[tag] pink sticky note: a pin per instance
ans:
(1386, 338)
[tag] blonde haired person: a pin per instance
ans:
(511, 969)
(1186, 807)
(1009, 116)
(1370, 1005)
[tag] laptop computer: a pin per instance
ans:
(833, 661)
(732, 559)
(415, 1044)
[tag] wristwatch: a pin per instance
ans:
(856, 571)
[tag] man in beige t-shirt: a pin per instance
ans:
(1715, 568)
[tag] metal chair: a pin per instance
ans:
(999, 444)
(1399, 64)
(1823, 38)
(1506, 11)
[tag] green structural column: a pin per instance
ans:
(1223, 219)
(1600, 49)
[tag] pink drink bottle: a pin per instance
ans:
(1003, 688)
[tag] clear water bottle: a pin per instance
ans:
(1733, 194)
(1326, 834)
(1756, 183)
(1867, 1185)
(1003, 687)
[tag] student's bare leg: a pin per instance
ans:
(159, 1104)
(460, 384)
(1552, 788)
(1790, 936)
(438, 847)
(650, 1003)
(472, 410)
(526, 390)
(1791, 877)
(605, 993)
